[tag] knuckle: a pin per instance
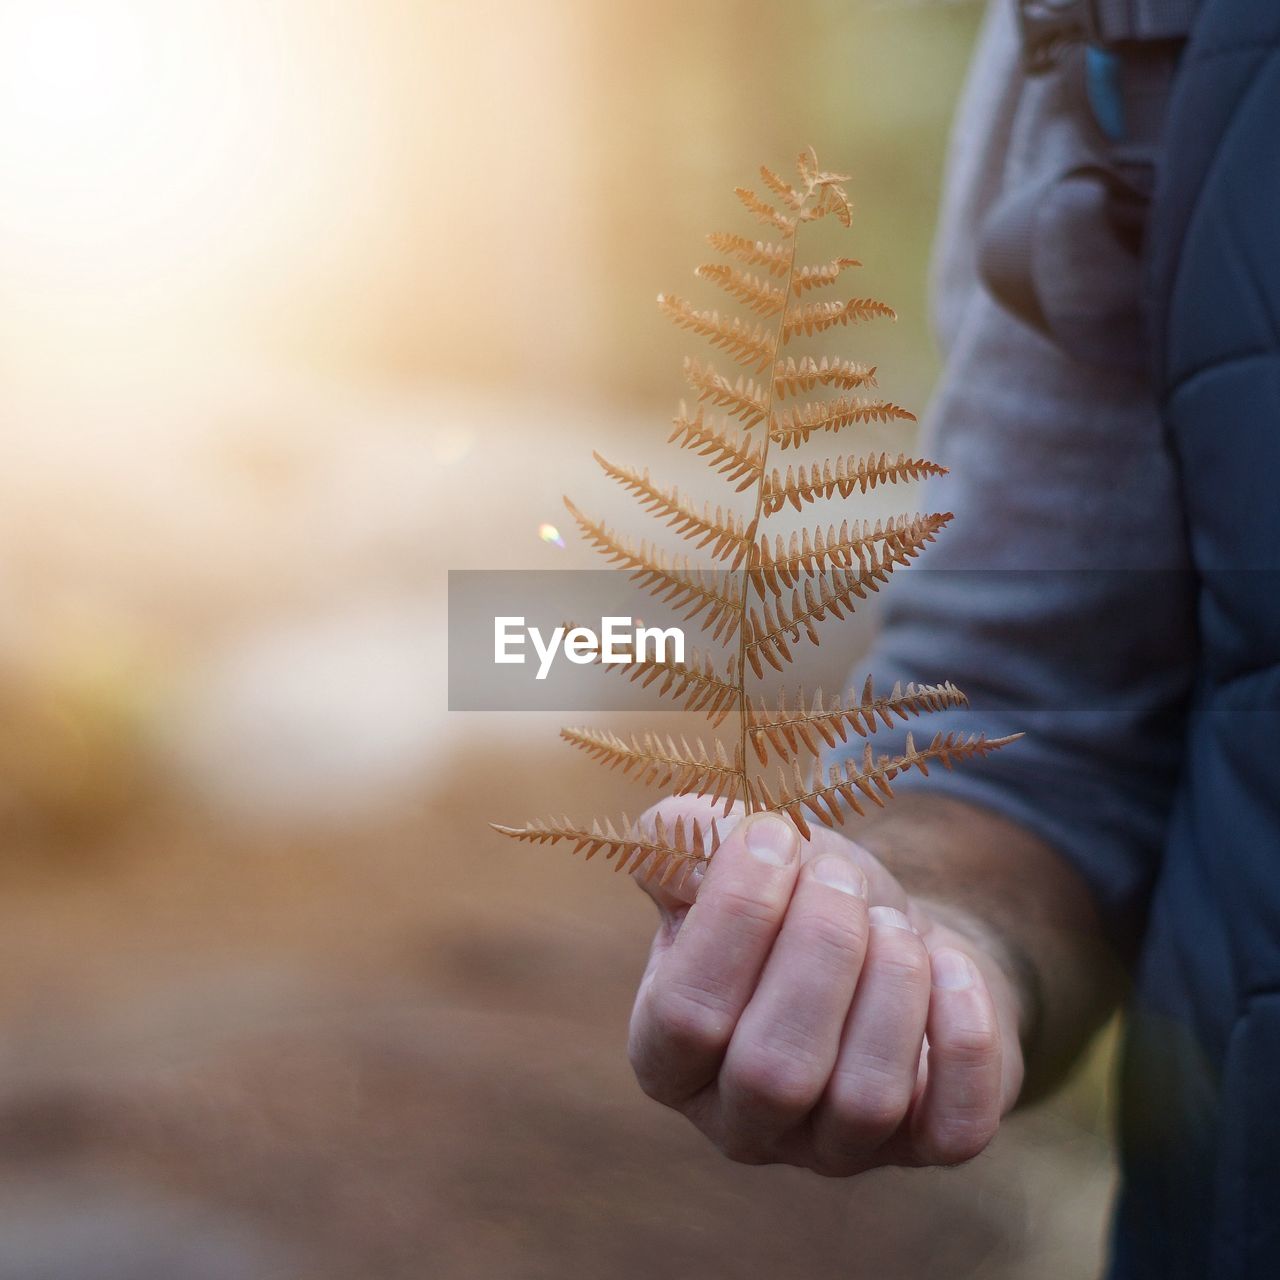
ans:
(956, 1141)
(901, 962)
(869, 1100)
(689, 1020)
(772, 1079)
(875, 1109)
(905, 976)
(745, 913)
(836, 939)
(650, 1073)
(653, 1084)
(974, 1046)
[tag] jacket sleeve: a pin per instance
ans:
(1060, 599)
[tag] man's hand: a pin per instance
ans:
(806, 1010)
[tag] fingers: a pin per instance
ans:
(959, 1111)
(871, 1086)
(787, 1019)
(703, 979)
(682, 890)
(787, 1039)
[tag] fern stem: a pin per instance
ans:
(753, 527)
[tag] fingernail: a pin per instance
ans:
(840, 874)
(771, 840)
(951, 970)
(888, 916)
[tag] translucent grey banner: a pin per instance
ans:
(1035, 642)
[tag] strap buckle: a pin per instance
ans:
(1048, 27)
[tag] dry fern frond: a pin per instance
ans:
(674, 581)
(747, 344)
(661, 853)
(806, 553)
(697, 682)
(763, 298)
(817, 317)
(822, 724)
(793, 427)
(765, 211)
(807, 167)
(732, 455)
(781, 188)
(791, 377)
(821, 275)
(831, 200)
(778, 591)
(774, 258)
(744, 399)
(820, 792)
(768, 626)
(810, 484)
(815, 177)
(723, 531)
(685, 769)
(832, 594)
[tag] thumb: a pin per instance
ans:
(675, 896)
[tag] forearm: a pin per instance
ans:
(1006, 889)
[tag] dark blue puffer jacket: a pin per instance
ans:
(1201, 1128)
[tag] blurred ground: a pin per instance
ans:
(396, 1051)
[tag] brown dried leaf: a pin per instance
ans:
(661, 851)
(847, 473)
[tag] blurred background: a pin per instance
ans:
(303, 304)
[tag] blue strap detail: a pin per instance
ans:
(1103, 87)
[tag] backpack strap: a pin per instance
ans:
(1117, 21)
(1049, 25)
(1120, 57)
(1129, 49)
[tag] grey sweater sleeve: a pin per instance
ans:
(1060, 597)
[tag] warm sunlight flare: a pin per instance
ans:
(117, 123)
(156, 157)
